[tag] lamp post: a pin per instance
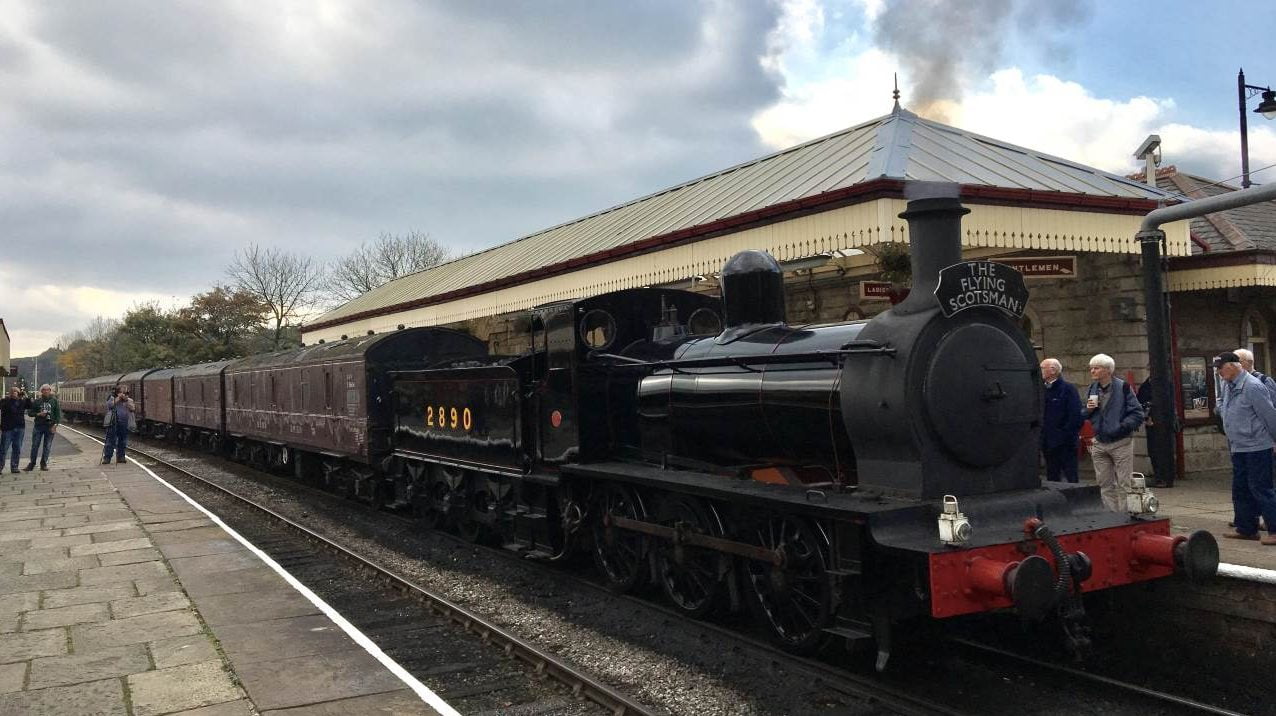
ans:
(1267, 108)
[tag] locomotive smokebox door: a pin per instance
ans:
(980, 394)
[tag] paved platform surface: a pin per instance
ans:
(118, 597)
(1205, 503)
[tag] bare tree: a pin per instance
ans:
(287, 284)
(385, 259)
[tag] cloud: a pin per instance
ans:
(1065, 119)
(37, 306)
(165, 136)
(1042, 112)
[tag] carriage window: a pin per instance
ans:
(327, 389)
(704, 322)
(598, 329)
(274, 393)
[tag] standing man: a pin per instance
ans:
(1115, 414)
(119, 418)
(47, 416)
(1162, 474)
(13, 423)
(1247, 364)
(1250, 423)
(1061, 423)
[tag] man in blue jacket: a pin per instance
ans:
(1114, 413)
(1060, 424)
(1249, 419)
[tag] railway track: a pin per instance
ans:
(872, 690)
(489, 681)
(878, 697)
(1171, 700)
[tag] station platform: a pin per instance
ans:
(1205, 503)
(117, 596)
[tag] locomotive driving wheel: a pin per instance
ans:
(690, 576)
(431, 506)
(621, 555)
(794, 598)
(476, 520)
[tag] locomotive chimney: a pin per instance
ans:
(934, 243)
(752, 289)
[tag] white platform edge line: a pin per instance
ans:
(421, 690)
(1252, 574)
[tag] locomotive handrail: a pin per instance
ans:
(833, 357)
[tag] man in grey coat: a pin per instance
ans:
(1115, 413)
(1249, 419)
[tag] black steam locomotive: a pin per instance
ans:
(835, 479)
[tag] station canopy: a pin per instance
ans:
(837, 192)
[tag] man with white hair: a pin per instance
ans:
(44, 408)
(1115, 413)
(1060, 423)
(1249, 419)
(1247, 363)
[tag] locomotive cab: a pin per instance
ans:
(580, 409)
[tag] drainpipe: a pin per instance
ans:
(1151, 238)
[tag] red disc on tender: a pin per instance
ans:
(556, 418)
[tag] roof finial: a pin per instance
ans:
(895, 94)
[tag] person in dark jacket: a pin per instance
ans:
(119, 418)
(13, 426)
(48, 414)
(1163, 476)
(1114, 413)
(1060, 424)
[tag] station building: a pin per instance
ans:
(828, 211)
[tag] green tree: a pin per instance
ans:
(148, 337)
(222, 323)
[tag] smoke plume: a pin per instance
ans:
(942, 42)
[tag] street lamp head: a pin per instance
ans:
(1267, 107)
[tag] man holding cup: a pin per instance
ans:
(1115, 413)
(1249, 419)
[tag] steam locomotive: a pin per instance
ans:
(835, 479)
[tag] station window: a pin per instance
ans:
(1254, 330)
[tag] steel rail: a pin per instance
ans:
(542, 662)
(844, 682)
(1097, 678)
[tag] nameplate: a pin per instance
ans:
(981, 284)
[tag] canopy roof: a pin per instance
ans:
(899, 146)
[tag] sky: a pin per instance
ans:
(143, 143)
